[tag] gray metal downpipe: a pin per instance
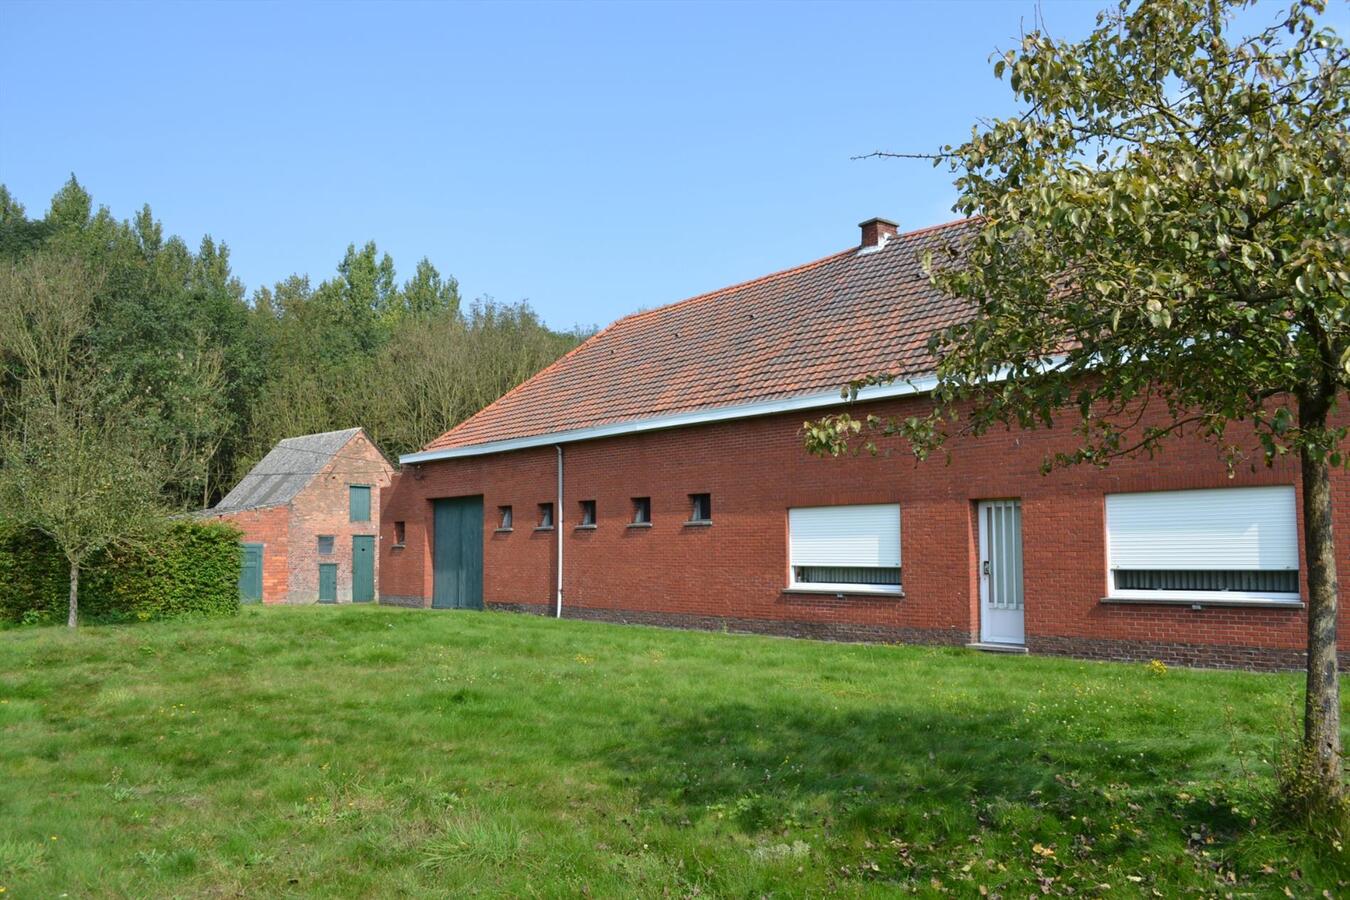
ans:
(558, 524)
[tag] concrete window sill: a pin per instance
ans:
(584, 528)
(397, 546)
(698, 523)
(639, 524)
(543, 528)
(509, 530)
(1197, 603)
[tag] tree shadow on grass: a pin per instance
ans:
(936, 775)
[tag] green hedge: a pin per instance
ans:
(193, 567)
(34, 582)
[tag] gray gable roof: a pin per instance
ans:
(285, 471)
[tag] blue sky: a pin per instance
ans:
(591, 158)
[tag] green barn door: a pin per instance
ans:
(457, 554)
(327, 582)
(250, 574)
(363, 568)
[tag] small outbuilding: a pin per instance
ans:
(310, 513)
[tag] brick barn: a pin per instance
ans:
(309, 513)
(656, 474)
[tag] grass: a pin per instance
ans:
(385, 752)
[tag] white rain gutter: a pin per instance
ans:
(677, 420)
(558, 526)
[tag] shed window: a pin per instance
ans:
(1221, 544)
(358, 497)
(587, 514)
(545, 515)
(400, 532)
(642, 510)
(504, 518)
(700, 507)
(325, 545)
(853, 549)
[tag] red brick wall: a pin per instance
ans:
(269, 528)
(736, 569)
(522, 562)
(323, 508)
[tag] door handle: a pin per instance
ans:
(984, 567)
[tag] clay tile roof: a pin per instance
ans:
(806, 330)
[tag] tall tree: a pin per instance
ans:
(1163, 248)
(427, 294)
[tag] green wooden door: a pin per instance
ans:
(363, 568)
(250, 574)
(327, 582)
(457, 554)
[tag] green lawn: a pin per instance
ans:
(375, 751)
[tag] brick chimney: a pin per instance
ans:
(876, 231)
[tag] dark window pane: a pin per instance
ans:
(848, 575)
(1256, 582)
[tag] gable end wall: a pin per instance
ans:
(321, 507)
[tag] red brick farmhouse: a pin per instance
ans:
(309, 512)
(656, 475)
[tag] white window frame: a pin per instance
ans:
(1265, 598)
(815, 587)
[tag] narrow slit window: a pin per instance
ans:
(700, 507)
(642, 510)
(545, 515)
(400, 531)
(587, 514)
(505, 521)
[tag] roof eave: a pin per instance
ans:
(906, 388)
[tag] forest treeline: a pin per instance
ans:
(213, 377)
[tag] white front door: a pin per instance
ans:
(1001, 615)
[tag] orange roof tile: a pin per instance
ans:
(801, 331)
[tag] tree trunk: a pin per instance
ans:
(72, 618)
(1322, 701)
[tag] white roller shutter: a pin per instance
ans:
(1223, 529)
(845, 536)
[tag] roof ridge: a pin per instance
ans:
(301, 437)
(772, 275)
(708, 295)
(940, 225)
